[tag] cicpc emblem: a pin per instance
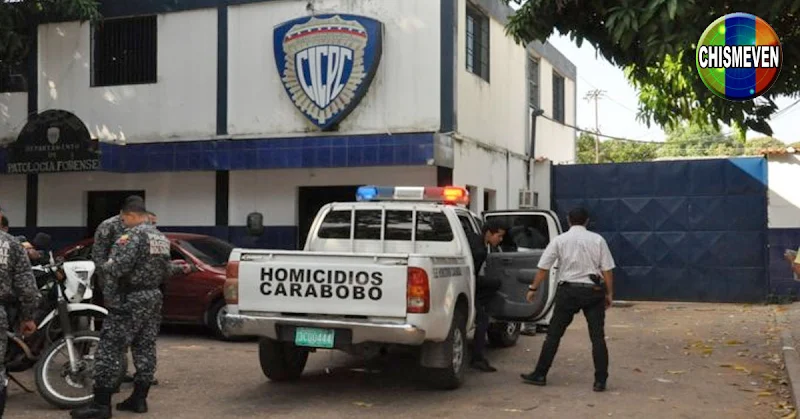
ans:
(327, 62)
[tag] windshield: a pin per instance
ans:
(209, 250)
(526, 232)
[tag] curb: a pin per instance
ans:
(791, 358)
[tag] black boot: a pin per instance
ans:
(137, 402)
(100, 408)
(3, 393)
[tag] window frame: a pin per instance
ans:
(146, 73)
(353, 230)
(478, 43)
(559, 97)
(534, 82)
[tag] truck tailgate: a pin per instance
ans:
(323, 283)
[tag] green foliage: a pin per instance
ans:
(655, 40)
(19, 17)
(683, 141)
(614, 151)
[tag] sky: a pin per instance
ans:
(617, 111)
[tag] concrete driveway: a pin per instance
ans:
(667, 361)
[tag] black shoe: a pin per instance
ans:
(599, 386)
(100, 408)
(137, 402)
(482, 365)
(3, 394)
(532, 378)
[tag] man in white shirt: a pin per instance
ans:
(582, 256)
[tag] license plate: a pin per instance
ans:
(315, 338)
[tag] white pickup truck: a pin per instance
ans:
(392, 268)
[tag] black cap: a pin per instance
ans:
(135, 206)
(133, 198)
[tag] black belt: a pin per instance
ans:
(579, 285)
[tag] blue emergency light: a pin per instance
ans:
(446, 194)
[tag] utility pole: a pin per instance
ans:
(596, 95)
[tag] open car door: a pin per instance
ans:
(515, 264)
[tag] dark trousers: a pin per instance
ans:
(481, 329)
(570, 300)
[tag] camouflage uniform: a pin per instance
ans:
(104, 237)
(138, 263)
(16, 281)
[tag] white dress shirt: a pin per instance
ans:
(579, 253)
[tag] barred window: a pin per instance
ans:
(558, 97)
(477, 43)
(125, 51)
(533, 82)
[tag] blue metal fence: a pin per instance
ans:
(691, 230)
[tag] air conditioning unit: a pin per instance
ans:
(528, 198)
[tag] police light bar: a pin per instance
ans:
(445, 194)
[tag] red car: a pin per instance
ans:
(195, 298)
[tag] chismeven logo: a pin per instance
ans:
(739, 57)
(327, 62)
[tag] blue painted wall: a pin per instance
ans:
(679, 231)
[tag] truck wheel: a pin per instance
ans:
(452, 377)
(504, 334)
(281, 361)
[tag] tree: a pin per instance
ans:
(654, 41)
(18, 19)
(614, 151)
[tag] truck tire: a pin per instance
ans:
(452, 377)
(281, 361)
(504, 334)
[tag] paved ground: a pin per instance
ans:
(668, 361)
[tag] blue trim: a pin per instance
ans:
(448, 28)
(222, 70)
(414, 149)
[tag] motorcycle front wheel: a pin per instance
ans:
(55, 381)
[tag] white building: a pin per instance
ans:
(187, 106)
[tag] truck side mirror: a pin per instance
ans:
(255, 224)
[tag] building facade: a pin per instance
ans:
(214, 109)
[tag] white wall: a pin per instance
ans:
(13, 115)
(492, 112)
(784, 193)
(403, 96)
(485, 169)
(180, 106)
(555, 141)
(178, 198)
(13, 189)
(541, 183)
(274, 192)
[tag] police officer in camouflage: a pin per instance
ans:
(16, 281)
(138, 263)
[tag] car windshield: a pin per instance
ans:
(209, 250)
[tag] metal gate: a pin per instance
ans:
(690, 230)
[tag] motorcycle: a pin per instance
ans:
(64, 321)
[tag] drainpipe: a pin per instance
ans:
(534, 116)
